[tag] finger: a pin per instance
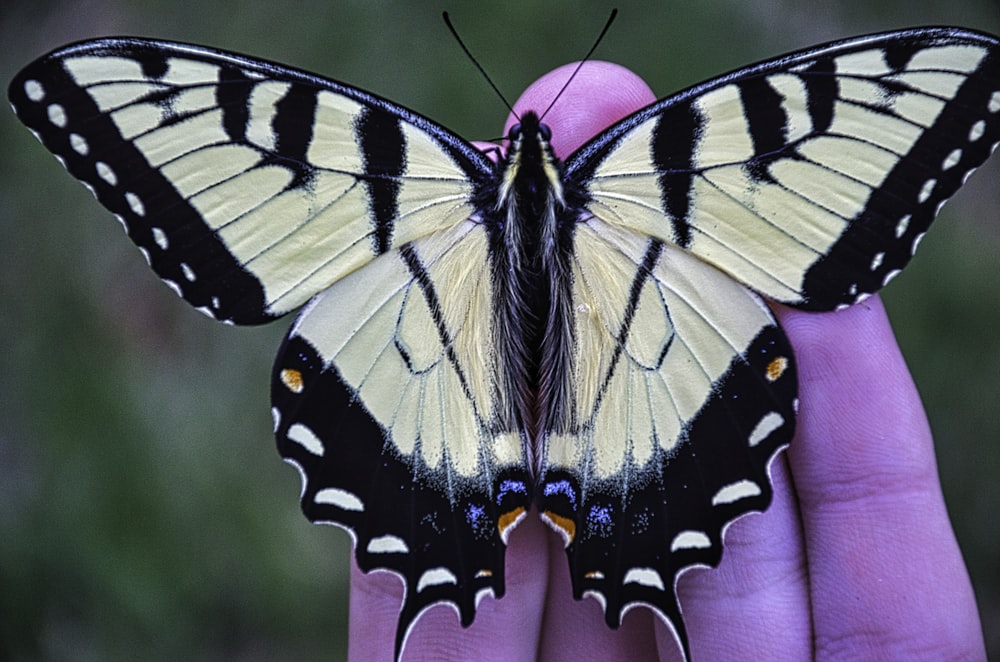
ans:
(505, 629)
(887, 578)
(575, 630)
(600, 94)
(755, 604)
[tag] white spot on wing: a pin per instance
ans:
(889, 276)
(916, 242)
(952, 159)
(276, 417)
(302, 475)
(135, 204)
(160, 237)
(690, 540)
(57, 115)
(765, 426)
(434, 577)
(334, 496)
(34, 90)
(482, 593)
(977, 131)
(877, 261)
(306, 438)
(644, 576)
(597, 595)
(105, 172)
(926, 190)
(174, 286)
(902, 225)
(994, 104)
(387, 545)
(250, 73)
(79, 144)
(741, 489)
(188, 272)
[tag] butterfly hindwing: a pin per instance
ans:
(248, 186)
(383, 397)
(811, 177)
(686, 391)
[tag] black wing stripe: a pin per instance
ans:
(765, 114)
(233, 97)
(292, 126)
(383, 153)
(643, 275)
(821, 93)
(673, 145)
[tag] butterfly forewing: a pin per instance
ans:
(248, 186)
(810, 178)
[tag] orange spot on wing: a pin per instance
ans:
(509, 519)
(563, 525)
(776, 368)
(292, 379)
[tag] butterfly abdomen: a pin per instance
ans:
(532, 243)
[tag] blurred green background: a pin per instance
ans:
(143, 508)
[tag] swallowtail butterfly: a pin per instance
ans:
(585, 337)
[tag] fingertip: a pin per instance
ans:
(600, 94)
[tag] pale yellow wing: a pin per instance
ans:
(384, 396)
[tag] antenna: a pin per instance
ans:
(600, 37)
(468, 53)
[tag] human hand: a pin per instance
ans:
(855, 558)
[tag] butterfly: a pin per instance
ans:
(585, 337)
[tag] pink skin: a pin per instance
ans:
(855, 559)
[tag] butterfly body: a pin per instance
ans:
(587, 338)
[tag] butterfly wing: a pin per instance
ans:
(809, 179)
(252, 187)
(812, 177)
(248, 186)
(686, 391)
(383, 397)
